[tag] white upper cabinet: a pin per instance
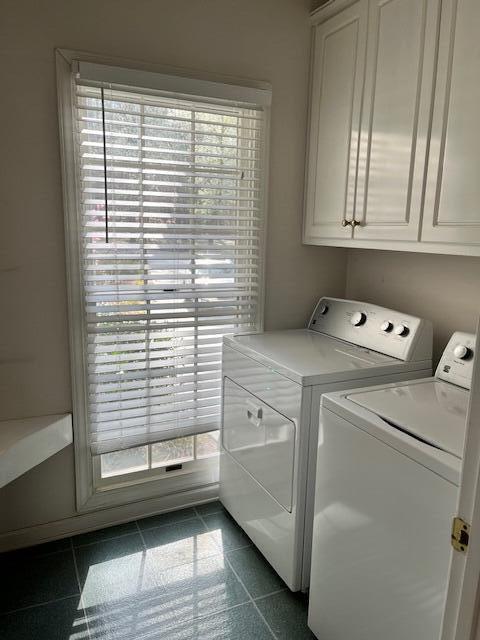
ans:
(452, 203)
(395, 118)
(400, 165)
(337, 82)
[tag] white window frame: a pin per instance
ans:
(90, 494)
(203, 464)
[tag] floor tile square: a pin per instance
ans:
(286, 613)
(240, 623)
(177, 544)
(135, 617)
(61, 620)
(141, 620)
(255, 572)
(172, 517)
(114, 570)
(227, 534)
(34, 580)
(201, 588)
(108, 533)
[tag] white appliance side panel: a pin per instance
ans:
(381, 540)
(312, 452)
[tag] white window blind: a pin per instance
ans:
(171, 226)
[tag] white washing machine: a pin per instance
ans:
(272, 384)
(388, 471)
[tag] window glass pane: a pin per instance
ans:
(172, 451)
(207, 444)
(120, 462)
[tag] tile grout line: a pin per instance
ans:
(47, 602)
(77, 574)
(251, 599)
(212, 513)
(244, 546)
(217, 612)
(90, 544)
(221, 550)
(38, 604)
(243, 586)
(130, 533)
(167, 524)
(141, 535)
(272, 593)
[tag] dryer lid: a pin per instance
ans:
(309, 357)
(432, 411)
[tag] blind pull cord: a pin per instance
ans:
(105, 183)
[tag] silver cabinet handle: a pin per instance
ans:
(346, 223)
(355, 223)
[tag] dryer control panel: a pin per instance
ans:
(456, 364)
(384, 330)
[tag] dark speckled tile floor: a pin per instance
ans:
(186, 575)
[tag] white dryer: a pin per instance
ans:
(272, 385)
(388, 471)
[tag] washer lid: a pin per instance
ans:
(432, 411)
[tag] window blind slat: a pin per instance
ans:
(225, 184)
(144, 387)
(177, 167)
(178, 183)
(125, 109)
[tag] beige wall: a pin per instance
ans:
(445, 289)
(258, 39)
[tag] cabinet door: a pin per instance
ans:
(395, 118)
(452, 202)
(337, 80)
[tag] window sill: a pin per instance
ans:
(26, 443)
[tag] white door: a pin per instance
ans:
(396, 112)
(461, 611)
(452, 204)
(337, 81)
(261, 440)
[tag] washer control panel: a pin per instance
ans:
(456, 363)
(390, 332)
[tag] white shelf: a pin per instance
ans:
(27, 442)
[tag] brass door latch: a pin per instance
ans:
(460, 535)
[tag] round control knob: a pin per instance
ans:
(386, 326)
(358, 318)
(461, 352)
(401, 330)
(322, 310)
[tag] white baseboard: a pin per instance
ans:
(84, 522)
